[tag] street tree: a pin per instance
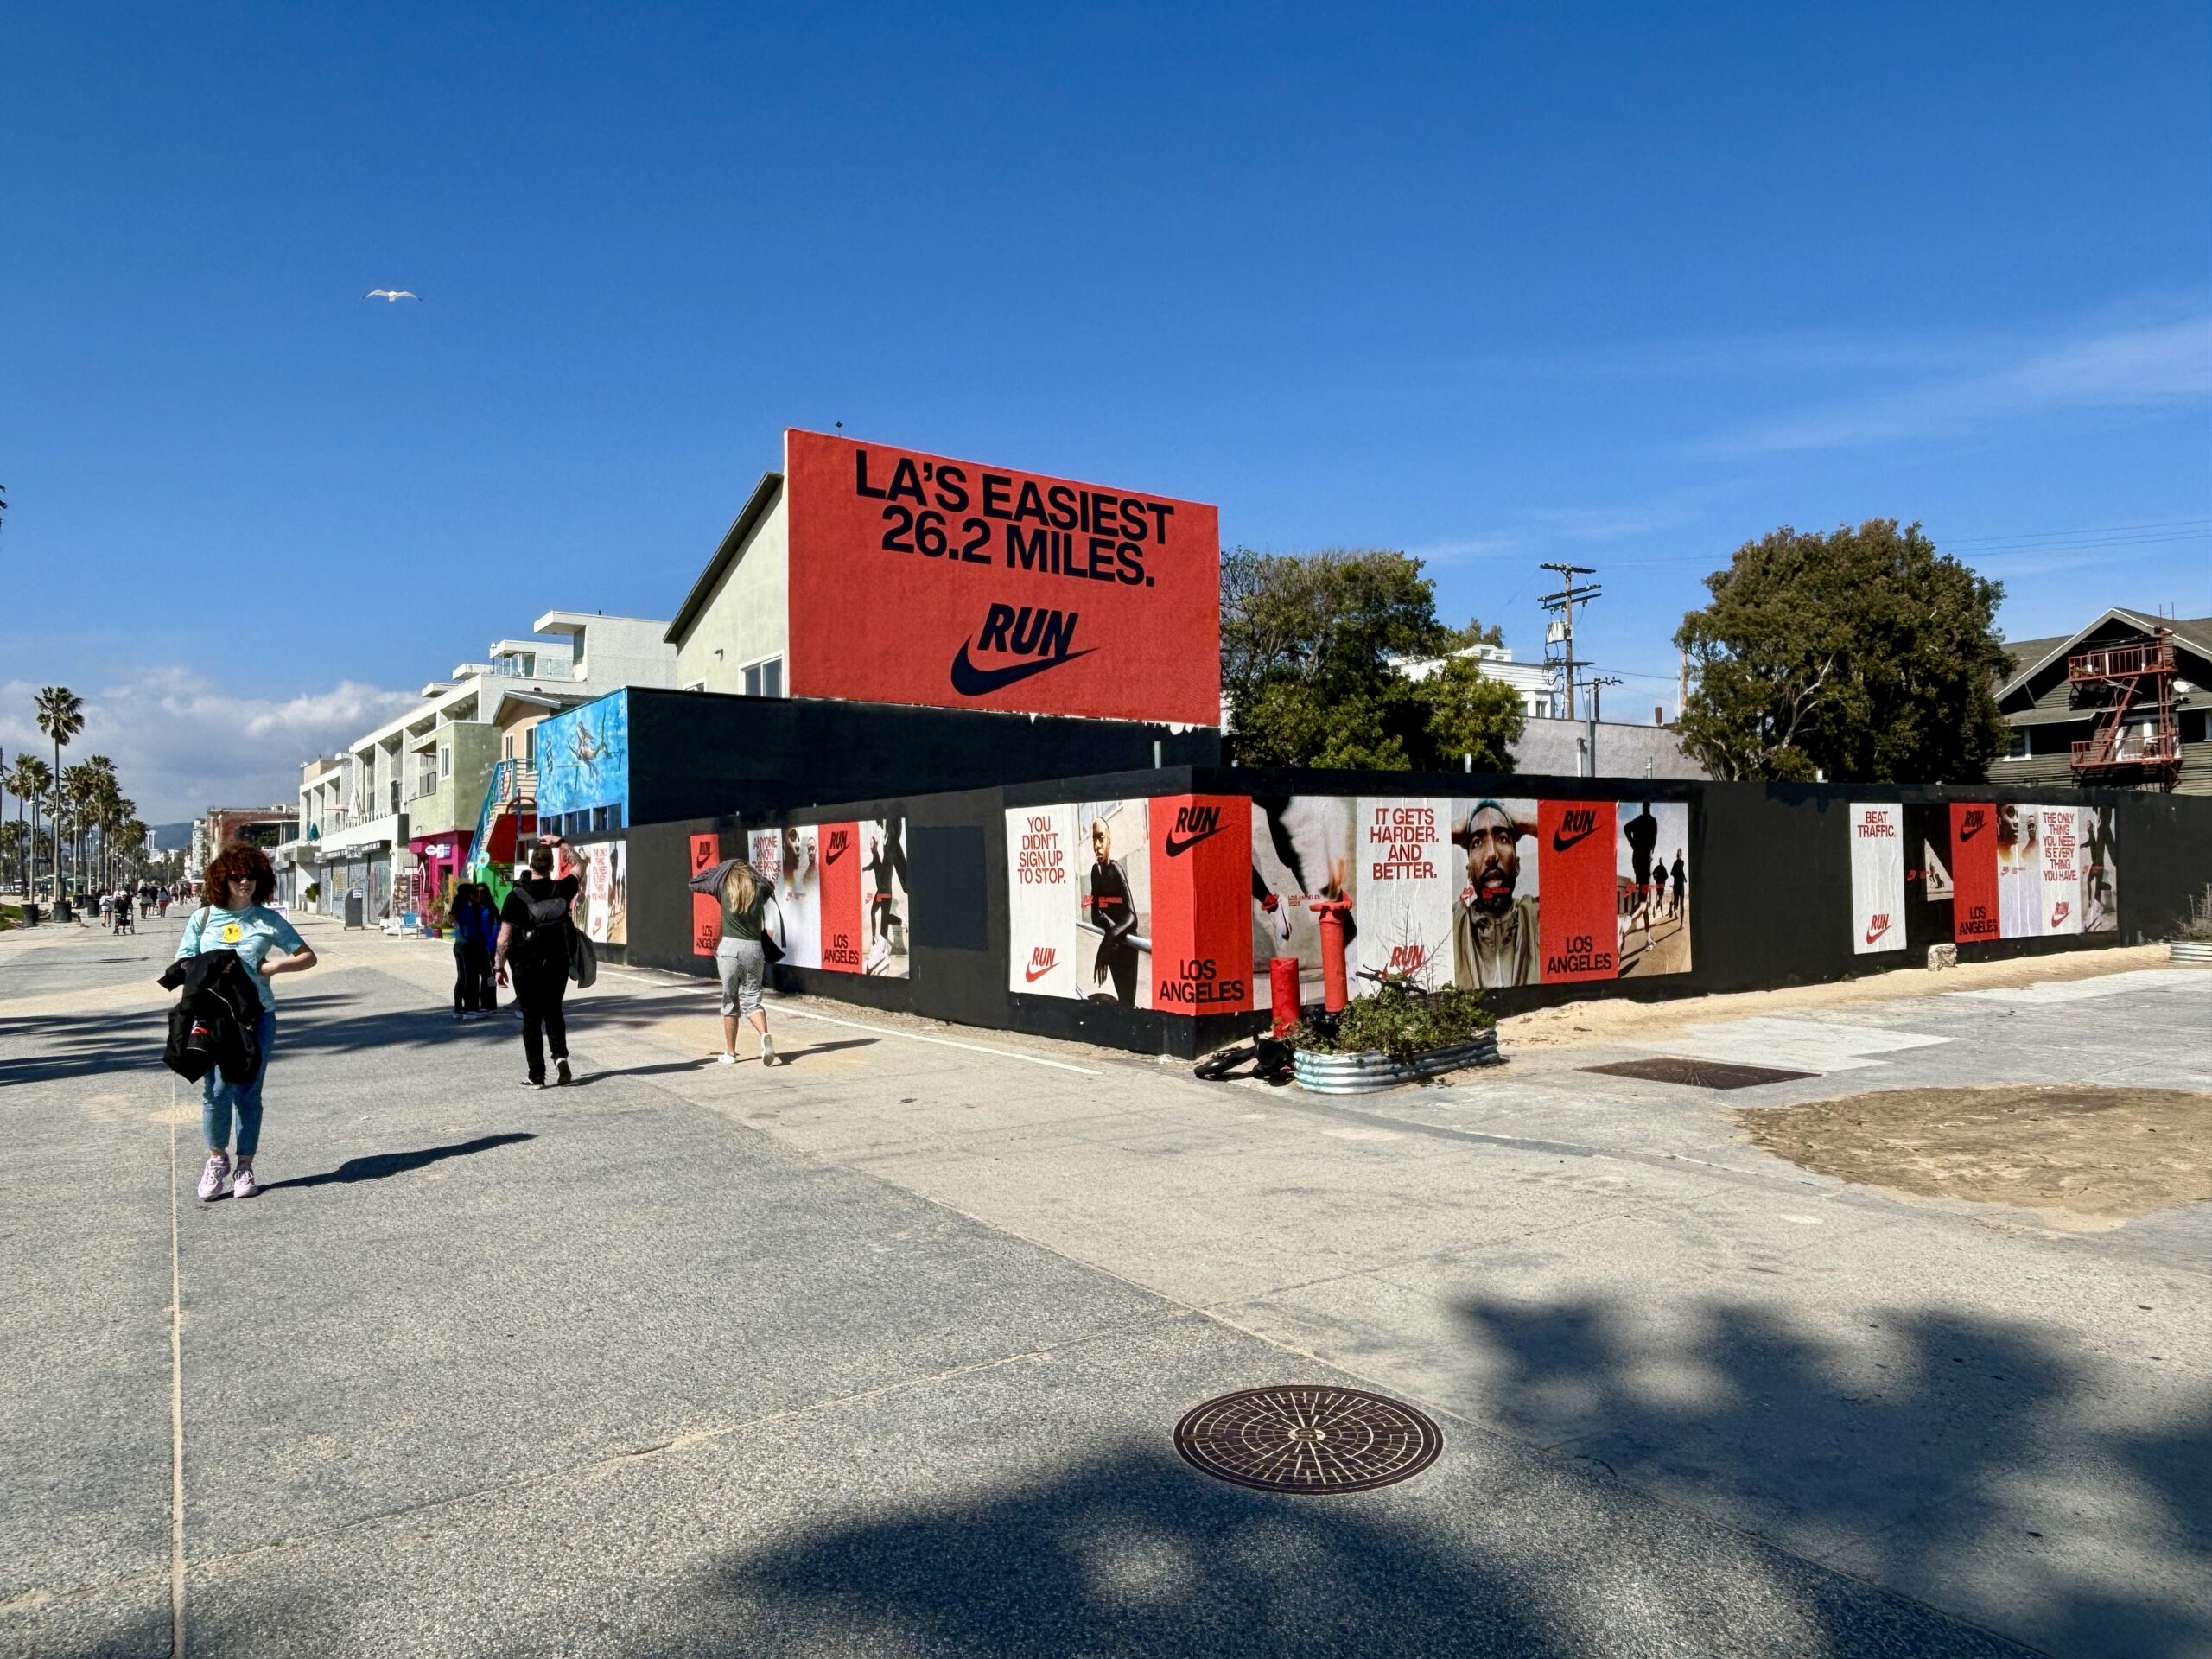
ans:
(1310, 650)
(61, 716)
(1860, 656)
(28, 779)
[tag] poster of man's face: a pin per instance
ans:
(1495, 918)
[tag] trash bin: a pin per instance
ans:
(353, 909)
(61, 910)
(30, 914)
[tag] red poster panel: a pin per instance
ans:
(1579, 911)
(1973, 872)
(918, 579)
(843, 943)
(706, 909)
(1201, 904)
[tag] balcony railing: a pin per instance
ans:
(2155, 656)
(2149, 749)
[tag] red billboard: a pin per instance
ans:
(1973, 872)
(918, 579)
(1202, 903)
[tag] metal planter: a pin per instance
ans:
(2197, 952)
(1366, 1073)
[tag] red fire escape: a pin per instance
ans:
(2133, 684)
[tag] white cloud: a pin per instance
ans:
(182, 744)
(2147, 366)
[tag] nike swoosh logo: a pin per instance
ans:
(1560, 844)
(833, 855)
(970, 681)
(1177, 848)
(1032, 974)
(1875, 933)
(1973, 828)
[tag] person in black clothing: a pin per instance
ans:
(1116, 918)
(534, 937)
(1642, 834)
(1676, 908)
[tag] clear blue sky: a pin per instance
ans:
(1626, 285)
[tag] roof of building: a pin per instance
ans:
(732, 542)
(2030, 657)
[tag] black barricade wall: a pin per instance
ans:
(1769, 898)
(695, 754)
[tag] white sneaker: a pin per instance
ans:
(247, 1183)
(215, 1177)
(726, 1060)
(768, 1049)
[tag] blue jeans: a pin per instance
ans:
(219, 1097)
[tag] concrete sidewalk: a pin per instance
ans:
(880, 1351)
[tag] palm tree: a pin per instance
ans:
(29, 778)
(61, 716)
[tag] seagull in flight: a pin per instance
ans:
(389, 294)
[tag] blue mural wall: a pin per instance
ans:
(583, 765)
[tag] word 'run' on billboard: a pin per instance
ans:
(839, 894)
(1972, 871)
(1178, 902)
(917, 579)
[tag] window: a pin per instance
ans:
(765, 678)
(2016, 744)
(601, 820)
(445, 761)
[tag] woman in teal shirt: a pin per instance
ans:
(237, 885)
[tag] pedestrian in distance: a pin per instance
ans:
(475, 938)
(533, 940)
(238, 885)
(741, 959)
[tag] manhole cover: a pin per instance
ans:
(1699, 1074)
(1307, 1440)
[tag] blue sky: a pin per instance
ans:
(1625, 285)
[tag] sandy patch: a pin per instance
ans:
(1615, 1019)
(2082, 1157)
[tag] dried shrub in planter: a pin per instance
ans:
(1400, 1020)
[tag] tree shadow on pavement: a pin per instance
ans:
(377, 1166)
(1971, 1462)
(1137, 1554)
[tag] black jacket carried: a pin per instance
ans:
(213, 1023)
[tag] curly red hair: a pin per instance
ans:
(238, 859)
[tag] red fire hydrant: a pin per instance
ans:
(1282, 992)
(1331, 913)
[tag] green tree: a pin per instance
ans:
(1309, 648)
(28, 779)
(1862, 656)
(61, 716)
(1470, 715)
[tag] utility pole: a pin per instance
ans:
(1561, 632)
(1595, 682)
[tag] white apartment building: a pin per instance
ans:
(1533, 681)
(407, 792)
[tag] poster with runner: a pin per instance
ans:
(1651, 874)
(1301, 853)
(798, 893)
(2098, 850)
(1878, 843)
(2020, 871)
(602, 907)
(1113, 942)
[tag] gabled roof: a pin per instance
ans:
(741, 528)
(2031, 657)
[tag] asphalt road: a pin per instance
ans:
(879, 1352)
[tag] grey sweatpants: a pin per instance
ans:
(741, 965)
